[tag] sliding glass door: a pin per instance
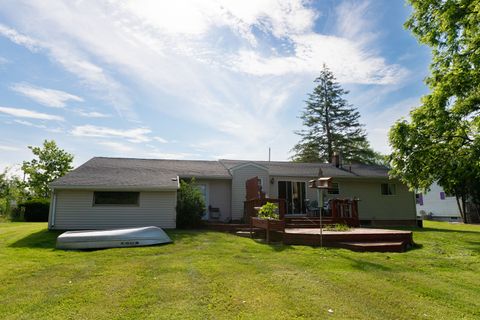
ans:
(294, 194)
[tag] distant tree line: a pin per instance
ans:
(31, 194)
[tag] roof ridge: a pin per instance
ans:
(154, 159)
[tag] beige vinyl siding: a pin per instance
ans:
(220, 195)
(375, 206)
(75, 210)
(239, 177)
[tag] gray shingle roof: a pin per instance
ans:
(297, 169)
(158, 173)
(148, 173)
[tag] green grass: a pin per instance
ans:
(210, 275)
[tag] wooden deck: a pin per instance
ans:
(357, 239)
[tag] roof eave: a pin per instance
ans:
(114, 188)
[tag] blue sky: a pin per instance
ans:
(195, 79)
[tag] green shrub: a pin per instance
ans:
(190, 205)
(336, 227)
(268, 211)
(35, 210)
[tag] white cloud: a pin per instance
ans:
(30, 124)
(116, 146)
(347, 60)
(133, 135)
(40, 126)
(93, 76)
(24, 113)
(8, 148)
(214, 58)
(92, 114)
(19, 39)
(170, 155)
(47, 97)
(160, 139)
(379, 124)
(355, 21)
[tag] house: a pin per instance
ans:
(126, 192)
(438, 205)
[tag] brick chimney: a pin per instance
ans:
(336, 159)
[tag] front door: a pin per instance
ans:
(294, 194)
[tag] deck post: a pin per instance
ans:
(321, 209)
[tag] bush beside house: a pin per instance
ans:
(190, 205)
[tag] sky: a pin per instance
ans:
(196, 79)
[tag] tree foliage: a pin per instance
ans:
(190, 205)
(50, 163)
(441, 142)
(331, 125)
(11, 189)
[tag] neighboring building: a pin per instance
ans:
(438, 205)
(122, 192)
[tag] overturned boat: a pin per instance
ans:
(118, 238)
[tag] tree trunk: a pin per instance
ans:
(327, 126)
(462, 210)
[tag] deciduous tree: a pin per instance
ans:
(441, 141)
(50, 163)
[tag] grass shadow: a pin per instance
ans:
(364, 265)
(414, 246)
(428, 229)
(475, 246)
(43, 239)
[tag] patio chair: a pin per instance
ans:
(312, 207)
(213, 213)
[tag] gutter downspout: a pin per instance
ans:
(54, 208)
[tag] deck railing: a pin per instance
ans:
(345, 211)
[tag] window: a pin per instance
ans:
(444, 195)
(334, 189)
(260, 184)
(116, 198)
(388, 189)
(419, 198)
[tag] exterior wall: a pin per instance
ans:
(74, 210)
(239, 176)
(219, 196)
(439, 208)
(375, 206)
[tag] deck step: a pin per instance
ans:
(389, 246)
(245, 234)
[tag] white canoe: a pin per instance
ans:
(118, 238)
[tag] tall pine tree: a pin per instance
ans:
(332, 125)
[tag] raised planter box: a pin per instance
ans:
(268, 225)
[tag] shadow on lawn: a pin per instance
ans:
(475, 246)
(363, 265)
(44, 239)
(430, 229)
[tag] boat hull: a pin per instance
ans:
(118, 238)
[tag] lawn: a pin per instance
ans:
(211, 275)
